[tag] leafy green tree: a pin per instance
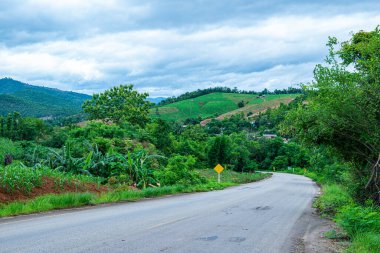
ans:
(119, 104)
(296, 154)
(280, 162)
(343, 109)
(160, 133)
(219, 151)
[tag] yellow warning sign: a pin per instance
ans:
(218, 168)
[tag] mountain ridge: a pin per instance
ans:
(38, 101)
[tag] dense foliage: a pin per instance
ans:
(341, 122)
(119, 104)
(14, 127)
(343, 109)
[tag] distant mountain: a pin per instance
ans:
(37, 101)
(156, 100)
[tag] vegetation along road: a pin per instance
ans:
(256, 217)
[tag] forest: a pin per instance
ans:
(330, 133)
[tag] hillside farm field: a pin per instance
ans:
(216, 104)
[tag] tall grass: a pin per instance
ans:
(52, 201)
(13, 178)
(233, 176)
(9, 147)
(361, 223)
(23, 179)
(333, 198)
(46, 203)
(365, 243)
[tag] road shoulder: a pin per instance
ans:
(309, 234)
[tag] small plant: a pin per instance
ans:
(334, 197)
(16, 178)
(333, 234)
(357, 219)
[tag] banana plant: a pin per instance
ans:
(137, 167)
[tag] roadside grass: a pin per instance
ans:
(46, 203)
(68, 200)
(361, 223)
(333, 198)
(365, 243)
(233, 176)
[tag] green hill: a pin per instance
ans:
(36, 101)
(216, 104)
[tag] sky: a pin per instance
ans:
(167, 47)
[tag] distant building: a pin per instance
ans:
(270, 136)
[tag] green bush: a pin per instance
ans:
(365, 243)
(280, 162)
(356, 219)
(180, 171)
(334, 197)
(9, 147)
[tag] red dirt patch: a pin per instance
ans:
(49, 186)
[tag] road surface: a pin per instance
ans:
(257, 217)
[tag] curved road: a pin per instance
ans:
(257, 217)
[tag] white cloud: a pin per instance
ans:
(272, 53)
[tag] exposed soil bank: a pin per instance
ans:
(50, 186)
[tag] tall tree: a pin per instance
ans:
(343, 109)
(119, 104)
(219, 151)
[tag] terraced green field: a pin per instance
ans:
(213, 105)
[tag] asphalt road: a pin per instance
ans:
(257, 217)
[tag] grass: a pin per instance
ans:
(210, 105)
(333, 198)
(360, 223)
(18, 178)
(46, 203)
(365, 243)
(9, 147)
(232, 176)
(67, 200)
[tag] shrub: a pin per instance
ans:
(252, 166)
(9, 147)
(280, 162)
(180, 171)
(365, 243)
(356, 219)
(333, 198)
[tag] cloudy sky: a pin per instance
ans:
(167, 47)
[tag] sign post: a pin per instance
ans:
(218, 168)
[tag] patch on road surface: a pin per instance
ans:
(262, 208)
(248, 187)
(237, 239)
(209, 238)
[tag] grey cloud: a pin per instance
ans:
(168, 47)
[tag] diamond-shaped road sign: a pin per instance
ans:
(218, 168)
